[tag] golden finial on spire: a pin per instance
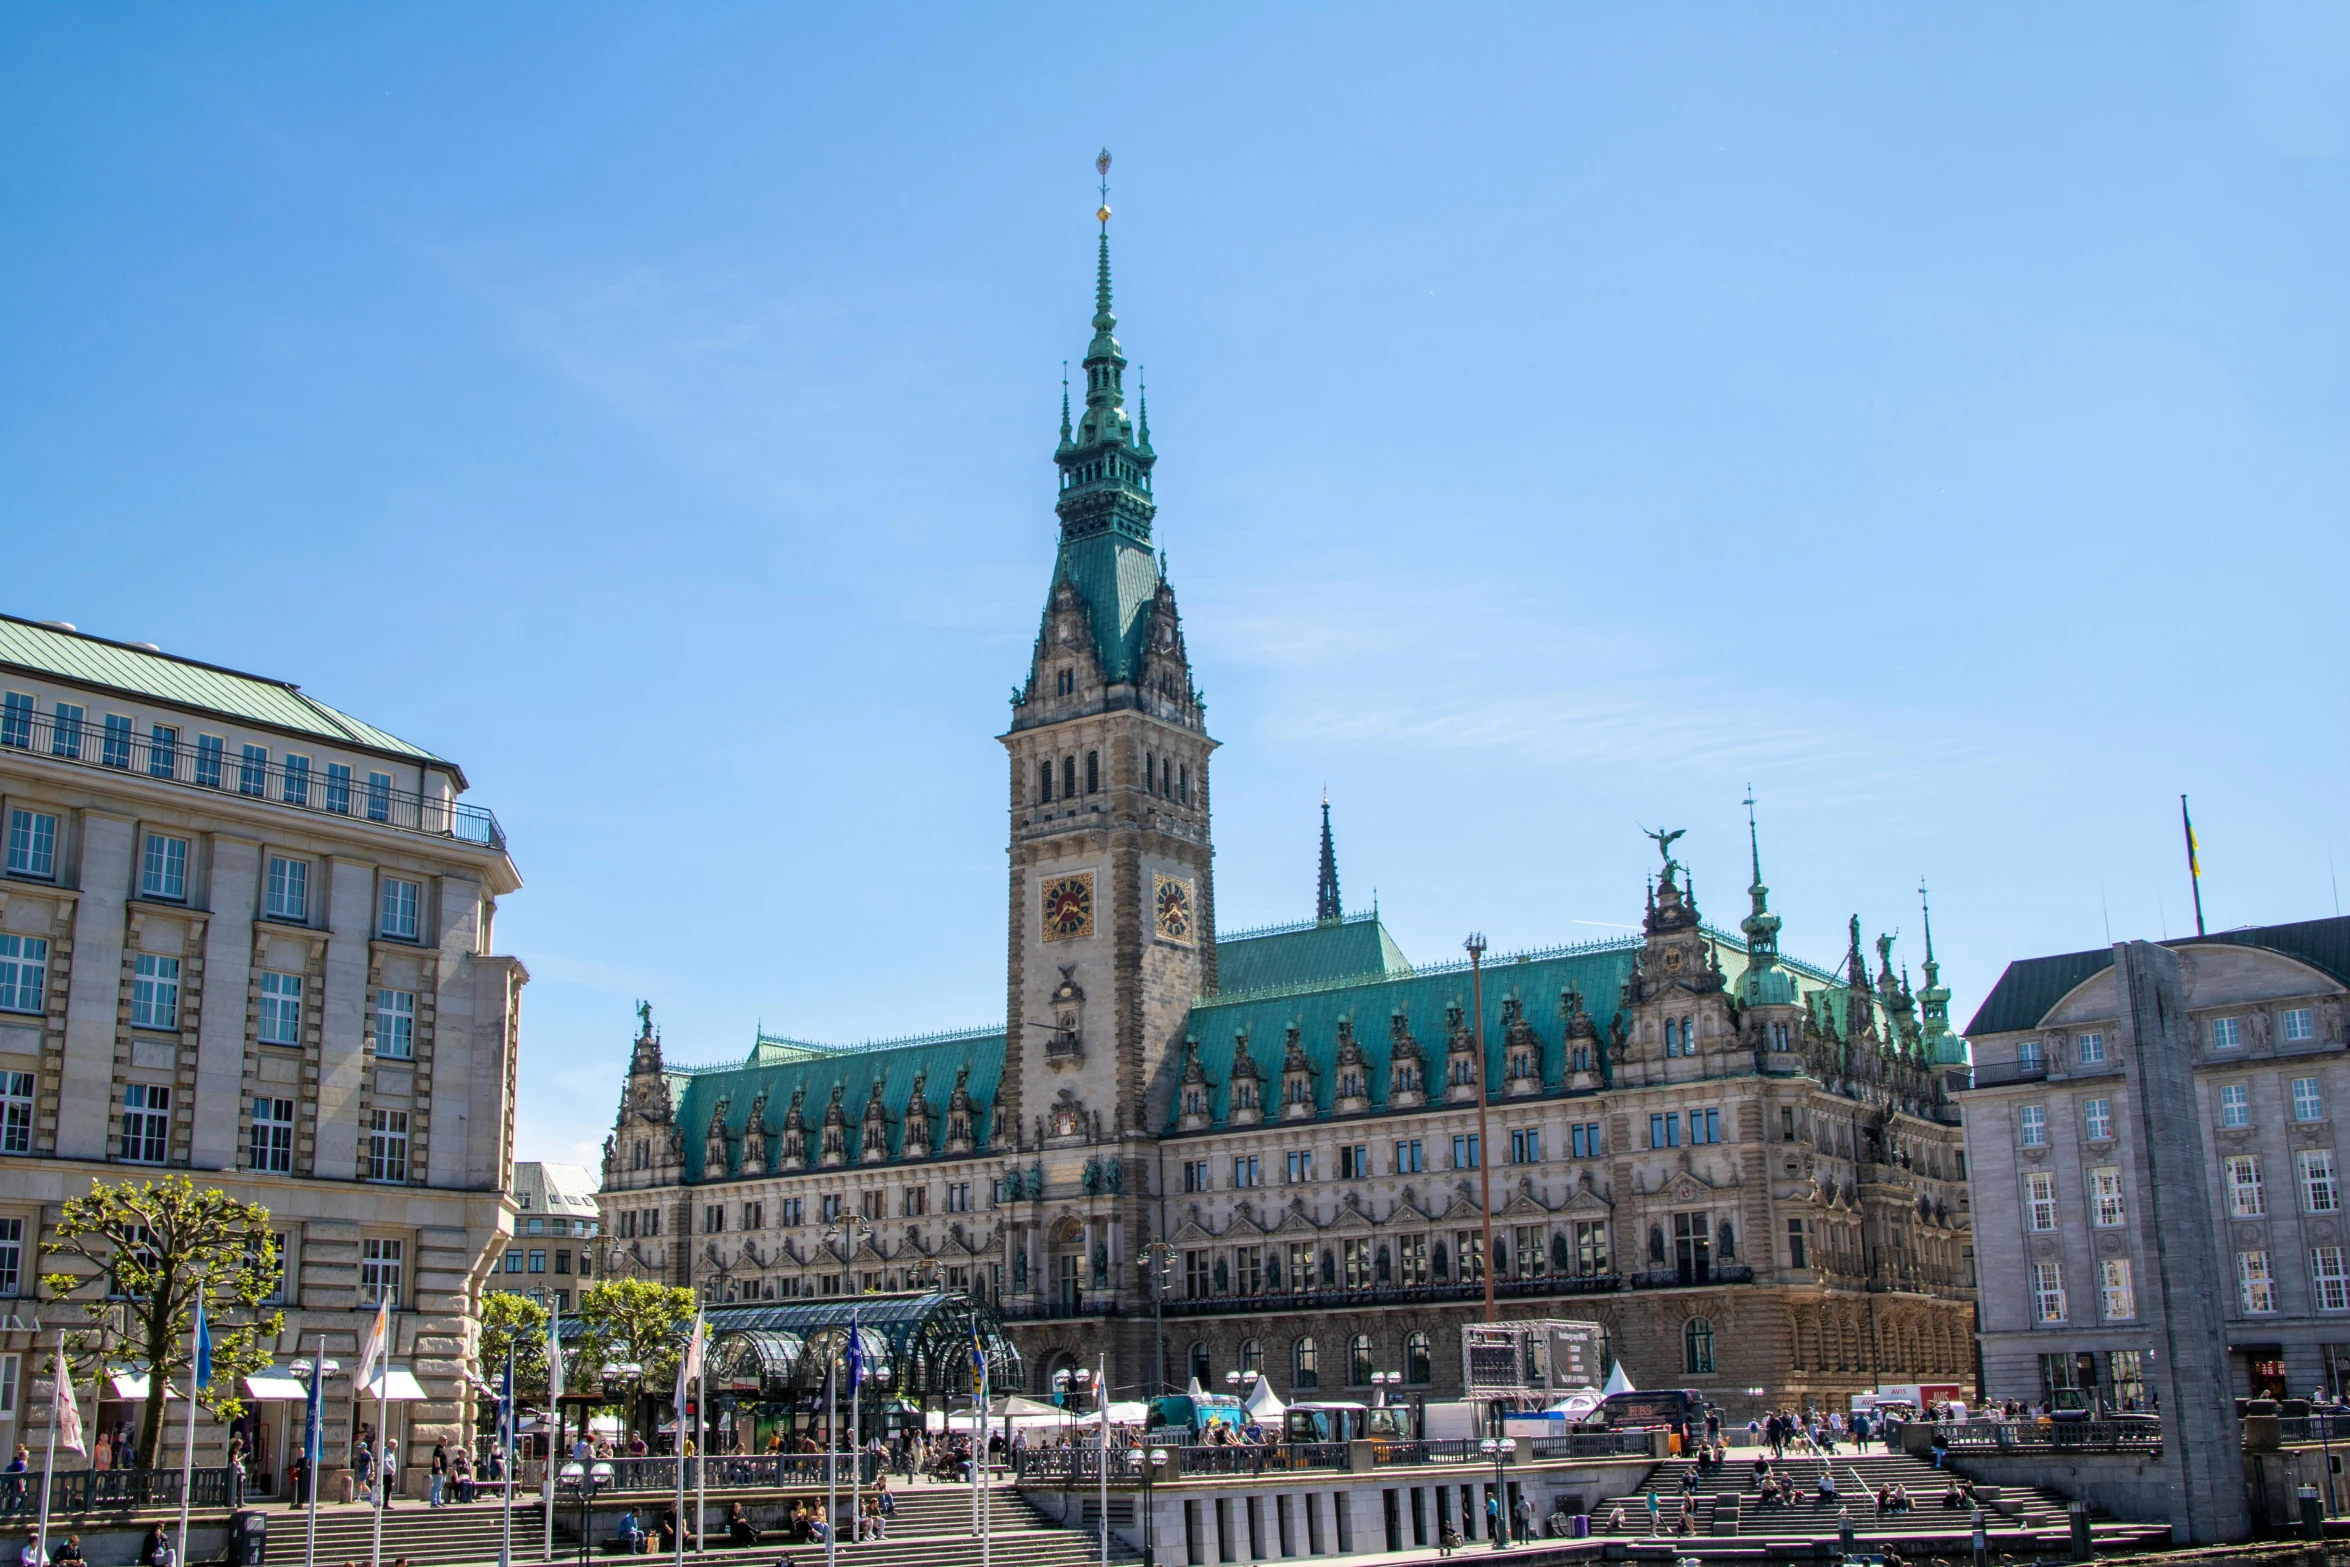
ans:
(1101, 166)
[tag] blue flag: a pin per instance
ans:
(856, 1354)
(506, 1397)
(203, 1347)
(310, 1427)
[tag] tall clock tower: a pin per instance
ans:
(1112, 902)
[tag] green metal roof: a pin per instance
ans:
(2030, 987)
(1117, 578)
(184, 682)
(1308, 952)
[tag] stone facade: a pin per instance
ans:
(248, 937)
(2063, 1170)
(1746, 1167)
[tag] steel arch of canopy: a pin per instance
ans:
(922, 1340)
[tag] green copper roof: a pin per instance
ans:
(119, 666)
(1117, 578)
(1312, 952)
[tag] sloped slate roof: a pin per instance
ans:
(2030, 987)
(1117, 578)
(96, 661)
(1307, 953)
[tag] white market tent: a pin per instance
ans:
(1263, 1405)
(1617, 1382)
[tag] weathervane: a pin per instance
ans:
(1101, 166)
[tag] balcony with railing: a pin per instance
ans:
(167, 755)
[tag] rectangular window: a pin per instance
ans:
(1301, 1165)
(209, 751)
(2308, 1102)
(1526, 1146)
(1408, 1159)
(2244, 1198)
(387, 1145)
(2235, 1105)
(1591, 1249)
(272, 1148)
(514, 1258)
(379, 1272)
(829, 1206)
(338, 788)
(872, 1205)
(11, 1257)
(16, 1112)
(2105, 1197)
(16, 720)
(2097, 1120)
(1530, 1249)
(297, 780)
(1198, 1281)
(916, 1204)
(252, 769)
(1585, 1141)
(32, 844)
(1411, 1258)
(2321, 1192)
(115, 749)
(2121, 1302)
(163, 868)
(1354, 1162)
(2090, 1048)
(65, 736)
(2327, 1273)
(146, 1124)
(1795, 1248)
(538, 1260)
(24, 973)
(289, 889)
(281, 1009)
(2048, 1291)
(2031, 1125)
(755, 1214)
(2297, 1024)
(397, 911)
(2040, 1201)
(1247, 1170)
(1705, 1126)
(395, 1024)
(2256, 1284)
(2226, 1033)
(1465, 1152)
(1469, 1247)
(155, 992)
(1195, 1175)
(2030, 1056)
(163, 751)
(1664, 1131)
(958, 1199)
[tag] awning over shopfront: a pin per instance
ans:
(275, 1387)
(132, 1385)
(393, 1387)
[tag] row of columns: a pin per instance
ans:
(1241, 1527)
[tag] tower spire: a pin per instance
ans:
(1327, 909)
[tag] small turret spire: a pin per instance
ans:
(1142, 411)
(1064, 405)
(1327, 909)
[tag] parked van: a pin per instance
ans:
(1678, 1410)
(1196, 1412)
(1344, 1422)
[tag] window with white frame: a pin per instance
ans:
(114, 747)
(2256, 1283)
(281, 1008)
(2031, 1056)
(2309, 1102)
(8, 1382)
(2048, 1291)
(2327, 1273)
(2040, 1200)
(283, 1264)
(2097, 1120)
(24, 973)
(65, 724)
(2031, 1125)
(379, 797)
(32, 843)
(210, 750)
(146, 1124)
(16, 720)
(387, 1145)
(2089, 1049)
(2296, 1024)
(2235, 1104)
(16, 1112)
(297, 779)
(11, 1257)
(379, 1272)
(2121, 1302)
(252, 769)
(155, 991)
(395, 1024)
(289, 889)
(2243, 1181)
(272, 1145)
(2105, 1197)
(2226, 1033)
(2321, 1192)
(397, 913)
(163, 868)
(338, 788)
(163, 751)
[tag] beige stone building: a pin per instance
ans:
(1746, 1167)
(249, 937)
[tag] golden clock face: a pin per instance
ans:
(1171, 908)
(1068, 907)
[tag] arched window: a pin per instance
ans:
(1697, 1347)
(1672, 1037)
(1415, 1359)
(1358, 1360)
(1068, 776)
(1252, 1356)
(1044, 783)
(1302, 1367)
(1200, 1372)
(1093, 772)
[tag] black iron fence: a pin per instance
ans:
(2142, 1435)
(1593, 1444)
(1441, 1450)
(1341, 1298)
(722, 1471)
(91, 1490)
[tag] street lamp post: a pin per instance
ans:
(1150, 1465)
(1499, 1450)
(1242, 1384)
(1476, 946)
(587, 1480)
(1159, 1259)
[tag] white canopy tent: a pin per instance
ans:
(1263, 1405)
(1617, 1382)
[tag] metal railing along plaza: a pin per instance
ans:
(2078, 1436)
(720, 1471)
(90, 1490)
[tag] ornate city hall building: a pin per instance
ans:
(1198, 1152)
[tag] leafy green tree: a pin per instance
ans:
(635, 1321)
(146, 1254)
(509, 1318)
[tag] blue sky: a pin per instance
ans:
(1568, 416)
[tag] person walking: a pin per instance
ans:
(440, 1473)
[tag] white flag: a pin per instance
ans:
(554, 1360)
(691, 1368)
(374, 1354)
(65, 1414)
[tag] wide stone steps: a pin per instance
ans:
(1729, 1494)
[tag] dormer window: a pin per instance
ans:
(1067, 682)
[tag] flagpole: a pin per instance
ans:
(555, 1413)
(2194, 869)
(313, 1449)
(831, 1463)
(506, 1441)
(199, 1366)
(375, 1459)
(49, 1461)
(1101, 1392)
(701, 1448)
(678, 1452)
(856, 1431)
